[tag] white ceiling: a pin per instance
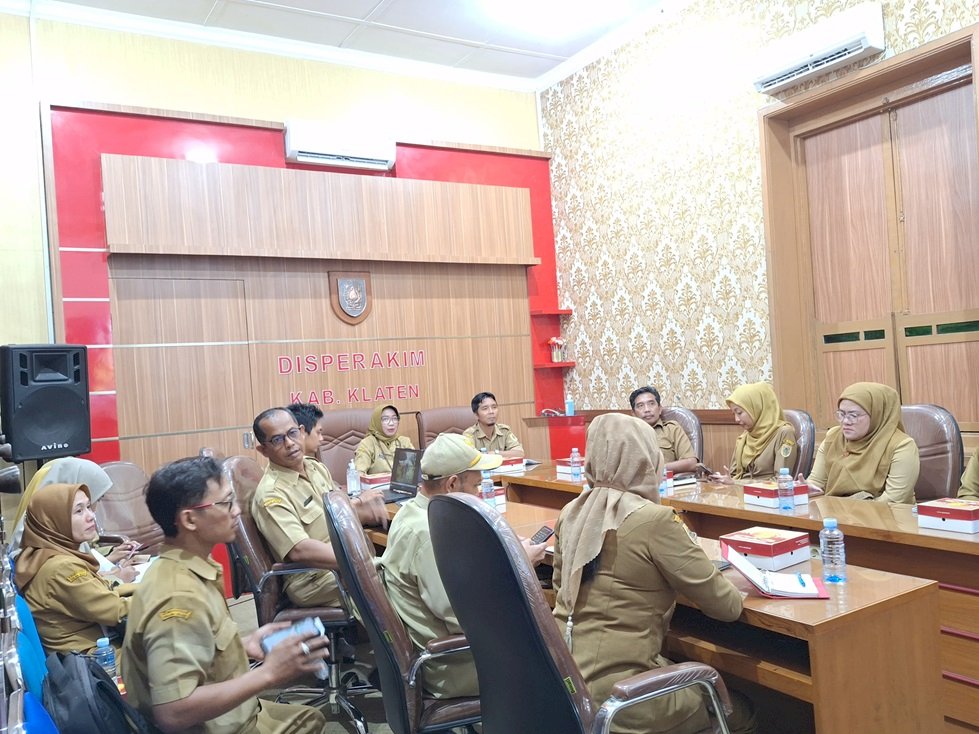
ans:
(524, 39)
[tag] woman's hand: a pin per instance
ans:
(122, 551)
(722, 477)
(124, 572)
(534, 551)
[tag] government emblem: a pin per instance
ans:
(350, 296)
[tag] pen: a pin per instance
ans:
(801, 580)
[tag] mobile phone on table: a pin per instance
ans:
(541, 535)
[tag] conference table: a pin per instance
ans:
(837, 655)
(881, 538)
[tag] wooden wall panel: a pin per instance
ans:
(199, 341)
(847, 222)
(939, 175)
(171, 206)
(843, 368)
(958, 391)
(152, 452)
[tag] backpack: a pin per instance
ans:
(82, 699)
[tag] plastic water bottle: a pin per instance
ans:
(569, 406)
(486, 489)
(575, 465)
(105, 656)
(832, 552)
(353, 480)
(786, 490)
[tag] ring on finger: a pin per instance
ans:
(305, 648)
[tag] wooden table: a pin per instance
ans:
(879, 536)
(866, 659)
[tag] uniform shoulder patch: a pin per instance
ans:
(175, 613)
(786, 448)
(78, 575)
(269, 501)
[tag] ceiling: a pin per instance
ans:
(523, 39)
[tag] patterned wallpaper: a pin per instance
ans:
(657, 196)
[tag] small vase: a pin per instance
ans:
(557, 353)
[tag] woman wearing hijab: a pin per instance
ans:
(868, 456)
(375, 453)
(71, 604)
(69, 470)
(768, 442)
(620, 561)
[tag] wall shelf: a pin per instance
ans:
(551, 312)
(552, 365)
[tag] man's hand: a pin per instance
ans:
(370, 508)
(535, 551)
(289, 659)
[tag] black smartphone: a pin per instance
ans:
(541, 535)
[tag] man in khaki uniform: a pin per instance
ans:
(496, 438)
(183, 662)
(672, 440)
(411, 577)
(288, 508)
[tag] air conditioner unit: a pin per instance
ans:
(311, 143)
(837, 41)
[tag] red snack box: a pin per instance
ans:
(770, 548)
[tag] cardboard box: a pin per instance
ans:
(375, 481)
(949, 513)
(771, 549)
(766, 493)
(510, 466)
(563, 468)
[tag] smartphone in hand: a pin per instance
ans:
(541, 535)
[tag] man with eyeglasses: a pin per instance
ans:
(184, 665)
(411, 578)
(288, 508)
(673, 441)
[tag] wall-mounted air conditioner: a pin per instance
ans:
(837, 41)
(312, 143)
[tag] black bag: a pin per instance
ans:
(83, 699)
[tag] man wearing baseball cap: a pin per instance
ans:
(411, 577)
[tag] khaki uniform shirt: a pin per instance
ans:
(374, 457)
(288, 508)
(181, 636)
(622, 614)
(502, 439)
(902, 475)
(673, 441)
(415, 589)
(970, 479)
(70, 604)
(780, 451)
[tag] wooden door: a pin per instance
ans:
(893, 243)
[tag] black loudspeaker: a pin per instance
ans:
(44, 400)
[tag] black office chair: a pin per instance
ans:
(407, 709)
(528, 680)
(256, 573)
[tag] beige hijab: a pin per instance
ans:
(759, 401)
(862, 465)
(47, 532)
(623, 468)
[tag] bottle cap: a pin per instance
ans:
(784, 470)
(102, 642)
(829, 522)
(669, 473)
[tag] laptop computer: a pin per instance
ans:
(406, 470)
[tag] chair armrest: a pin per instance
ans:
(437, 648)
(672, 676)
(282, 569)
(654, 683)
(446, 645)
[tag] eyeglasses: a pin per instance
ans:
(390, 419)
(849, 417)
(280, 438)
(229, 503)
